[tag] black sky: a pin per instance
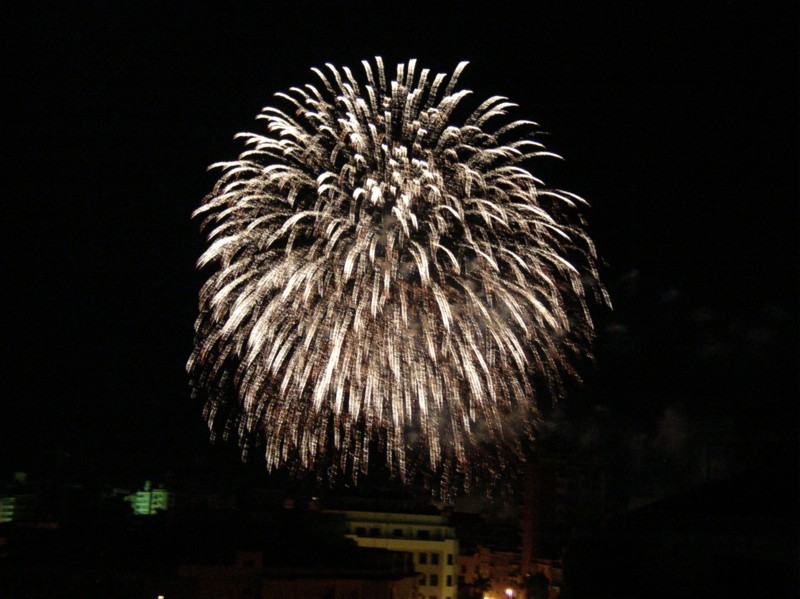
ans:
(680, 125)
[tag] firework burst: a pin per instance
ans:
(387, 278)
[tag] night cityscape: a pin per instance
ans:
(666, 466)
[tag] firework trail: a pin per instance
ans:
(386, 279)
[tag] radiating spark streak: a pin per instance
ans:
(383, 271)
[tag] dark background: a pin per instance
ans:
(680, 125)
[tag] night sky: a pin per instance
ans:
(679, 125)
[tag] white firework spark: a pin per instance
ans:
(387, 277)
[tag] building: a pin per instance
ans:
(8, 508)
(491, 573)
(150, 501)
(563, 493)
(428, 538)
(31, 502)
(351, 573)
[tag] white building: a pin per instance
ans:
(428, 538)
